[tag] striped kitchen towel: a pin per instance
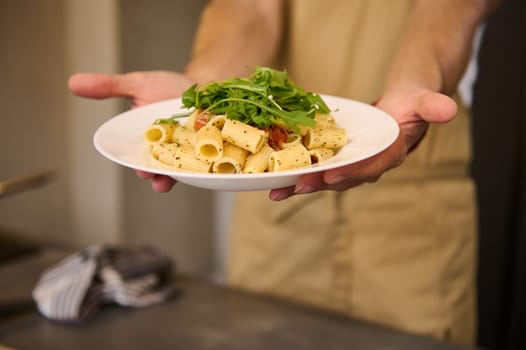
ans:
(75, 288)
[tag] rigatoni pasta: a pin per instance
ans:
(258, 162)
(243, 135)
(224, 146)
(318, 155)
(232, 160)
(209, 143)
(325, 137)
(159, 133)
(262, 123)
(185, 158)
(289, 158)
(184, 136)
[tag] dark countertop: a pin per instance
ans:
(201, 316)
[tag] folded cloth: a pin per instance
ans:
(75, 288)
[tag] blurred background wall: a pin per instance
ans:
(35, 128)
(44, 127)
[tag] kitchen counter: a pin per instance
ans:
(201, 316)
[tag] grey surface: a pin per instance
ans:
(202, 316)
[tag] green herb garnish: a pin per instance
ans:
(266, 98)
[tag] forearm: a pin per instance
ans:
(437, 43)
(233, 36)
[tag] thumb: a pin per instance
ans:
(98, 85)
(418, 105)
(434, 107)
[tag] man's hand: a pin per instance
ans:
(413, 109)
(141, 88)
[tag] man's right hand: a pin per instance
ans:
(141, 88)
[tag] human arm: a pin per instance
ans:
(234, 36)
(433, 53)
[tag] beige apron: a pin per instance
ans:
(400, 252)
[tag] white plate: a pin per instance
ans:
(120, 139)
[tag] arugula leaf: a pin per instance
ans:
(265, 98)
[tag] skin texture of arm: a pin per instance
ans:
(234, 36)
(237, 34)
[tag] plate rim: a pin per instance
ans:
(190, 177)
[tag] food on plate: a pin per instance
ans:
(261, 123)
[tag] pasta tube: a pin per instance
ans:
(185, 158)
(243, 135)
(218, 121)
(209, 143)
(325, 137)
(258, 162)
(159, 133)
(318, 155)
(293, 139)
(232, 160)
(184, 136)
(167, 158)
(324, 120)
(293, 157)
(161, 148)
